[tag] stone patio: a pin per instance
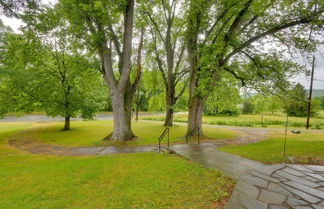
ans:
(260, 186)
(280, 186)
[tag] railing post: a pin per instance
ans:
(168, 137)
(198, 135)
(159, 145)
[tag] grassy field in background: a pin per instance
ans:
(271, 121)
(91, 133)
(142, 180)
(304, 148)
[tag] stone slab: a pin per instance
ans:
(271, 197)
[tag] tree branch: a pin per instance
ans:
(235, 75)
(139, 62)
(156, 27)
(266, 33)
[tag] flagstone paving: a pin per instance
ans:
(260, 186)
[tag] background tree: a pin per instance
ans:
(17, 7)
(6, 99)
(273, 104)
(223, 35)
(166, 20)
(224, 98)
(297, 102)
(248, 107)
(46, 70)
(259, 103)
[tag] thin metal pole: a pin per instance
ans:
(284, 151)
(198, 135)
(168, 138)
(310, 94)
(159, 145)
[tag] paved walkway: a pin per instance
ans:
(262, 186)
(47, 149)
(206, 155)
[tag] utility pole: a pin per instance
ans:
(310, 94)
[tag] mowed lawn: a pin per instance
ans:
(92, 133)
(303, 148)
(142, 180)
(277, 120)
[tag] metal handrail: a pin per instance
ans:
(166, 131)
(197, 129)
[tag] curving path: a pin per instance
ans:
(259, 186)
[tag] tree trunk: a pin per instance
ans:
(195, 114)
(170, 102)
(136, 112)
(67, 123)
(122, 112)
(168, 117)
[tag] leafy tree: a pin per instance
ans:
(225, 35)
(140, 100)
(315, 106)
(297, 102)
(321, 99)
(224, 98)
(259, 106)
(16, 7)
(248, 107)
(273, 104)
(46, 71)
(98, 25)
(6, 100)
(154, 88)
(168, 48)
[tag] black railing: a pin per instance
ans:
(166, 131)
(195, 130)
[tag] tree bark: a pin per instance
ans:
(170, 101)
(195, 104)
(122, 112)
(67, 125)
(136, 113)
(168, 121)
(195, 114)
(173, 70)
(122, 90)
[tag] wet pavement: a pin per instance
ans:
(261, 186)
(47, 149)
(207, 155)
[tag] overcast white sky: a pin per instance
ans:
(319, 70)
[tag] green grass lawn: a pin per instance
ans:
(304, 147)
(91, 133)
(142, 180)
(277, 120)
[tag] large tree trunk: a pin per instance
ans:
(195, 104)
(67, 125)
(168, 121)
(170, 102)
(121, 89)
(195, 114)
(136, 112)
(122, 112)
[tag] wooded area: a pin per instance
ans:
(78, 57)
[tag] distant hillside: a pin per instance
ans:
(317, 92)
